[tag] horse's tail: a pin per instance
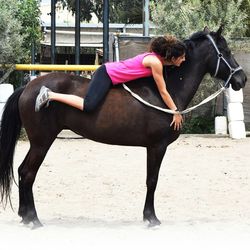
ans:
(10, 129)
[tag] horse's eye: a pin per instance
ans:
(227, 52)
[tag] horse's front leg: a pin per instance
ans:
(155, 155)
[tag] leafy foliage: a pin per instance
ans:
(86, 8)
(126, 11)
(182, 18)
(10, 38)
(245, 6)
(19, 27)
(29, 16)
(199, 125)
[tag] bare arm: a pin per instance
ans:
(161, 85)
(157, 69)
(155, 64)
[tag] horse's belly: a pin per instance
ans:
(113, 133)
(135, 130)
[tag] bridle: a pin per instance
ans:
(221, 57)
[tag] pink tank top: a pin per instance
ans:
(129, 69)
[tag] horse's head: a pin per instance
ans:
(221, 61)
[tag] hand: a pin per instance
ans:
(177, 121)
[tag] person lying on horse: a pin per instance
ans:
(165, 50)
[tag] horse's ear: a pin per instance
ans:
(206, 30)
(220, 30)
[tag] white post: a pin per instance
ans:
(5, 92)
(145, 17)
(235, 114)
(32, 77)
(221, 125)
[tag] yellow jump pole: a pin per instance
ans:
(55, 67)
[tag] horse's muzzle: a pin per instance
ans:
(238, 82)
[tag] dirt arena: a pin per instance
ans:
(91, 196)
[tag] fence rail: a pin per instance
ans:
(55, 67)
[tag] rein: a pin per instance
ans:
(169, 110)
(211, 97)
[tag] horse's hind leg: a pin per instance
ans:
(155, 155)
(27, 173)
(22, 207)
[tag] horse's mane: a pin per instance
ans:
(194, 39)
(198, 35)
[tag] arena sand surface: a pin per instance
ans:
(91, 196)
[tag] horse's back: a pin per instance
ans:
(57, 82)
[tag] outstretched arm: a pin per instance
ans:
(157, 69)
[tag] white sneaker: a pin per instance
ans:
(42, 98)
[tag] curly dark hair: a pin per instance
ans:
(167, 47)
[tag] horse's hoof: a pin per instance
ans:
(153, 221)
(25, 222)
(37, 224)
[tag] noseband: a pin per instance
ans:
(221, 57)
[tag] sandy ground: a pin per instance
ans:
(91, 196)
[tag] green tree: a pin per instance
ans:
(245, 6)
(19, 28)
(87, 7)
(126, 11)
(11, 41)
(185, 17)
(29, 16)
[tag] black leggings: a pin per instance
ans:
(98, 88)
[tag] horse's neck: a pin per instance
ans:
(188, 77)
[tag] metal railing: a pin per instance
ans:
(55, 67)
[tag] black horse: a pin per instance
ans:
(119, 120)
